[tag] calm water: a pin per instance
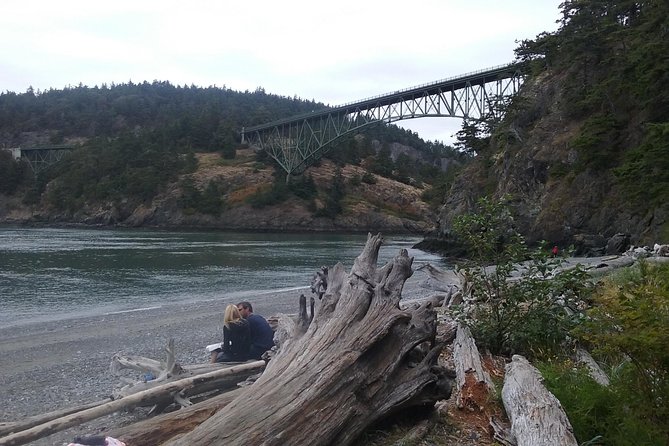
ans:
(55, 273)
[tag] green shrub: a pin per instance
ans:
(210, 201)
(303, 187)
(644, 173)
(519, 305)
(275, 194)
(368, 178)
(597, 412)
(629, 323)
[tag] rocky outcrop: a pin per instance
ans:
(533, 161)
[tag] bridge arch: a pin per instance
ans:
(294, 142)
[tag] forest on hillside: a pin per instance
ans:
(132, 139)
(613, 60)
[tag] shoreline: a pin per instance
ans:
(110, 310)
(46, 366)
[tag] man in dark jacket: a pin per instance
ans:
(262, 336)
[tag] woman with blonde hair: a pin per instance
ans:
(236, 338)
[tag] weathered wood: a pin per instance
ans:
(473, 383)
(7, 428)
(594, 370)
(147, 397)
(356, 363)
(447, 329)
(438, 279)
(537, 418)
(501, 433)
(171, 367)
(161, 428)
(140, 363)
(222, 382)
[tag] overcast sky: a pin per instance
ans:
(333, 52)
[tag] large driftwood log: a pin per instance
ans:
(356, 363)
(537, 418)
(145, 398)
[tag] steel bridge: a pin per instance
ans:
(39, 158)
(296, 141)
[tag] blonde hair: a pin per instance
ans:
(232, 315)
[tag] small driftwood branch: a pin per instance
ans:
(501, 433)
(594, 370)
(537, 418)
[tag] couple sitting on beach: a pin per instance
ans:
(245, 335)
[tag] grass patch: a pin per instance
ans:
(602, 415)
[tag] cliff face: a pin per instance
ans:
(385, 205)
(533, 160)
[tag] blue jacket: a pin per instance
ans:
(262, 336)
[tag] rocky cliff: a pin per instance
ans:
(532, 159)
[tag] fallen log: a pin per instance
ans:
(144, 398)
(7, 428)
(360, 359)
(537, 418)
(159, 429)
(222, 381)
(594, 370)
(473, 383)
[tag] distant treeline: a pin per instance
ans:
(201, 119)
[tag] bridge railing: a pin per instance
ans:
(432, 84)
(334, 109)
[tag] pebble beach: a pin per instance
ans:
(54, 365)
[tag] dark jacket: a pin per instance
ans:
(262, 336)
(237, 340)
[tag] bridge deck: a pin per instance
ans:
(479, 77)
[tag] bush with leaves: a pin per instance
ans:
(629, 325)
(520, 301)
(601, 415)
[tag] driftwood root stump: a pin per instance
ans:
(361, 359)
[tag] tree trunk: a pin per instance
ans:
(537, 418)
(361, 358)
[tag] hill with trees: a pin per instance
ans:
(138, 153)
(583, 152)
